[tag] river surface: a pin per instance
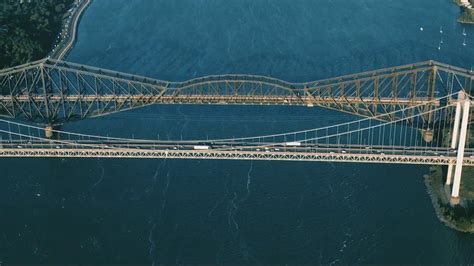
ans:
(197, 211)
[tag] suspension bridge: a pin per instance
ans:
(411, 114)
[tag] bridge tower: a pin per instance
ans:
(458, 141)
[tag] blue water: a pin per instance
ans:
(173, 211)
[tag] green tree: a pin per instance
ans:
(28, 30)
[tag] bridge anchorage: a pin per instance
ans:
(412, 114)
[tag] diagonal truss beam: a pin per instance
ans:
(54, 92)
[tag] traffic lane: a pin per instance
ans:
(303, 149)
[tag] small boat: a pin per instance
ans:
(441, 40)
(464, 32)
(441, 29)
(464, 43)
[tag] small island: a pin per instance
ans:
(467, 11)
(32, 30)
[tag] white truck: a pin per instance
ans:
(201, 147)
(293, 143)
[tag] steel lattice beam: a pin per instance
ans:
(232, 155)
(54, 92)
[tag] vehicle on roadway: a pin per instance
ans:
(201, 147)
(293, 143)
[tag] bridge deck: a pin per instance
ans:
(222, 99)
(233, 155)
(228, 151)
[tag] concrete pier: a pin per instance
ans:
(460, 153)
(48, 132)
(454, 136)
(427, 135)
(449, 175)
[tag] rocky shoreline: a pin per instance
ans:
(437, 193)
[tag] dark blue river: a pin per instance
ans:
(197, 211)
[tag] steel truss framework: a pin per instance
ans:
(233, 155)
(54, 92)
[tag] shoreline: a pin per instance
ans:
(460, 216)
(436, 207)
(438, 200)
(467, 13)
(68, 33)
(469, 22)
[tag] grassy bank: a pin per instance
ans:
(29, 29)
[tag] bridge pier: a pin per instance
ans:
(466, 103)
(49, 131)
(454, 137)
(449, 175)
(427, 135)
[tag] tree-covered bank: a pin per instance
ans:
(460, 216)
(457, 216)
(467, 16)
(29, 29)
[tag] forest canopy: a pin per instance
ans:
(28, 29)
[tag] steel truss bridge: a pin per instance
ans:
(54, 92)
(412, 114)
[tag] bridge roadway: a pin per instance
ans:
(221, 99)
(233, 151)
